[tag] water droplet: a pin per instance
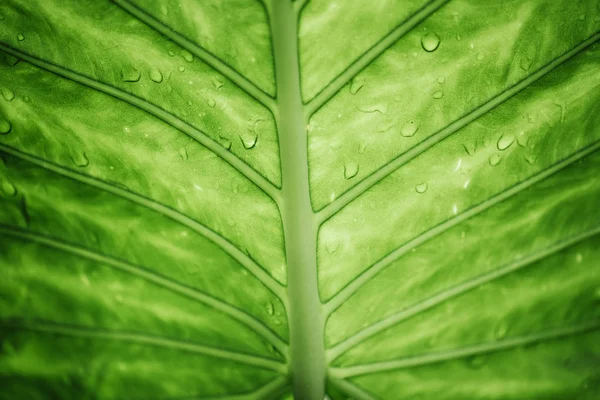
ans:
(181, 68)
(531, 159)
(356, 84)
(522, 139)
(332, 247)
(384, 125)
(376, 108)
(476, 362)
(20, 37)
(156, 75)
(225, 142)
(438, 95)
(5, 127)
(458, 37)
(495, 159)
(505, 142)
(211, 102)
(80, 160)
(8, 348)
(350, 169)
(130, 75)
(421, 187)
(270, 308)
(249, 141)
(581, 17)
(525, 63)
(469, 148)
(183, 153)
(441, 79)
(8, 94)
(480, 56)
(171, 53)
(187, 56)
(431, 342)
(430, 41)
(8, 189)
(217, 83)
(578, 258)
(409, 129)
(501, 331)
(11, 61)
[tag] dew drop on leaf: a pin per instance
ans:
(20, 37)
(183, 153)
(409, 129)
(430, 41)
(578, 258)
(130, 75)
(24, 211)
(495, 159)
(384, 125)
(480, 56)
(270, 308)
(225, 142)
(156, 75)
(438, 95)
(8, 94)
(476, 362)
(421, 187)
(431, 342)
(505, 142)
(525, 63)
(187, 56)
(350, 169)
(356, 84)
(5, 127)
(249, 140)
(8, 189)
(441, 80)
(469, 148)
(531, 159)
(522, 139)
(217, 83)
(501, 331)
(171, 53)
(11, 61)
(211, 102)
(80, 160)
(331, 247)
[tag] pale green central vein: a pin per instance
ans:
(305, 314)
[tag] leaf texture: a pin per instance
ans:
(250, 199)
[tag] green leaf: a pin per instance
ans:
(284, 199)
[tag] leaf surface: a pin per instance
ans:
(216, 199)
